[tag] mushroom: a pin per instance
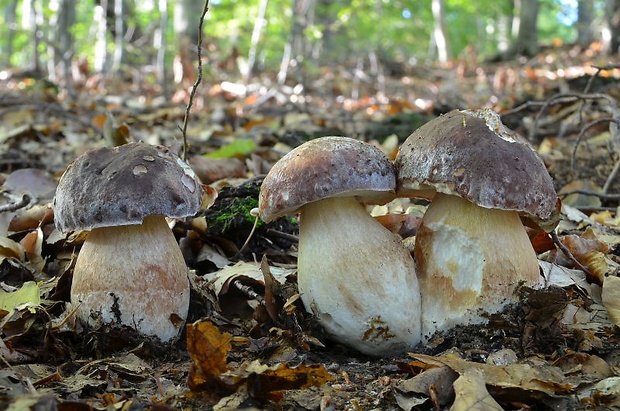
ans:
(130, 270)
(471, 249)
(353, 274)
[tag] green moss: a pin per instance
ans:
(234, 214)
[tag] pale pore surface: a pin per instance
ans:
(357, 278)
(136, 272)
(470, 260)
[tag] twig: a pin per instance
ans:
(21, 203)
(197, 82)
(248, 291)
(569, 255)
(583, 131)
(290, 237)
(566, 98)
(247, 240)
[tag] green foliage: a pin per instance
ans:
(343, 31)
(238, 147)
(236, 213)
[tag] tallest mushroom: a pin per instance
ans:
(471, 249)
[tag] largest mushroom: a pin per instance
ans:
(130, 270)
(471, 249)
(353, 274)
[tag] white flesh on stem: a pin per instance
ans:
(357, 278)
(470, 260)
(133, 275)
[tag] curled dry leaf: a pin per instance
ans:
(439, 379)
(471, 393)
(590, 252)
(529, 378)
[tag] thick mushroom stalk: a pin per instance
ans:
(354, 274)
(469, 257)
(472, 250)
(130, 270)
(112, 279)
(357, 278)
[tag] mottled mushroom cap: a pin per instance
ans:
(326, 167)
(471, 154)
(122, 185)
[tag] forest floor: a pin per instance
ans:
(557, 349)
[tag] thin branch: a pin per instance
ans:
(197, 82)
(21, 203)
(583, 131)
(569, 255)
(566, 98)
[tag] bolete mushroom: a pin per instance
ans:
(353, 274)
(471, 249)
(130, 270)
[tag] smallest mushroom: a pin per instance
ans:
(130, 270)
(471, 249)
(353, 274)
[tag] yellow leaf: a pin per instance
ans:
(611, 298)
(28, 294)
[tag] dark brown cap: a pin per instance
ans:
(122, 185)
(326, 167)
(471, 154)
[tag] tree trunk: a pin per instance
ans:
(160, 45)
(585, 19)
(527, 39)
(10, 16)
(61, 50)
(440, 37)
(119, 34)
(186, 20)
(612, 31)
(504, 30)
(101, 42)
(259, 23)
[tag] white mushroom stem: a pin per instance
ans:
(133, 275)
(357, 278)
(470, 260)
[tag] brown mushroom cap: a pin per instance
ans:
(471, 154)
(326, 167)
(122, 185)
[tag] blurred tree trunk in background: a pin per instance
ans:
(439, 37)
(10, 16)
(159, 42)
(101, 41)
(527, 37)
(612, 11)
(61, 44)
(585, 21)
(504, 29)
(259, 23)
(186, 18)
(31, 21)
(119, 32)
(295, 48)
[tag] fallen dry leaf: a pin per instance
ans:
(611, 298)
(208, 348)
(542, 378)
(471, 393)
